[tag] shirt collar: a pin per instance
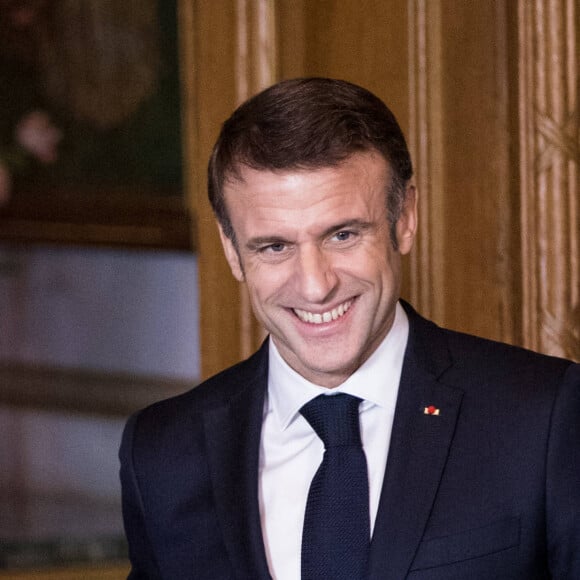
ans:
(376, 381)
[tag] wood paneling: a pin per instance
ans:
(476, 279)
(487, 95)
(114, 572)
(425, 270)
(549, 124)
(210, 98)
(364, 41)
(256, 69)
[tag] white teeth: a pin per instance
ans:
(319, 318)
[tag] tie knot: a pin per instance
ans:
(334, 418)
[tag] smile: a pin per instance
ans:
(323, 317)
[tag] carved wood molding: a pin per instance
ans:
(425, 113)
(256, 43)
(255, 70)
(548, 39)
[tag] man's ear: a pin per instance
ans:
(407, 224)
(232, 256)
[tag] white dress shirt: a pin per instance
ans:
(291, 452)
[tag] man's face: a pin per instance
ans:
(314, 249)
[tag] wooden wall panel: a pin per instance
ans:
(465, 80)
(365, 42)
(112, 572)
(549, 136)
(424, 282)
(255, 70)
(229, 54)
(477, 282)
(441, 66)
(210, 96)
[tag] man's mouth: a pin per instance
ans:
(323, 317)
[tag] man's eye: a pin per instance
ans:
(275, 248)
(343, 236)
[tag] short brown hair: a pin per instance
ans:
(308, 123)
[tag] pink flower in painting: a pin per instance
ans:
(36, 133)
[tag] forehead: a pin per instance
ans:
(361, 180)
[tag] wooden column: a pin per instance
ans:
(549, 156)
(228, 53)
(426, 147)
(255, 70)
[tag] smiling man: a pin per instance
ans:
(361, 441)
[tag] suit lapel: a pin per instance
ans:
(233, 442)
(418, 451)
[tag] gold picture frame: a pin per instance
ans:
(115, 172)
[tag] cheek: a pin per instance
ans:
(371, 265)
(266, 283)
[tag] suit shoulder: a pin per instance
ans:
(458, 354)
(509, 373)
(468, 347)
(214, 392)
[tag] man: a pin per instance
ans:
(470, 459)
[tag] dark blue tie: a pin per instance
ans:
(336, 534)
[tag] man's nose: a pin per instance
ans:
(316, 277)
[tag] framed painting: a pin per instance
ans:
(90, 131)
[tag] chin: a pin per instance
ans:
(328, 368)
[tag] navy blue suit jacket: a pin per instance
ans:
(488, 489)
